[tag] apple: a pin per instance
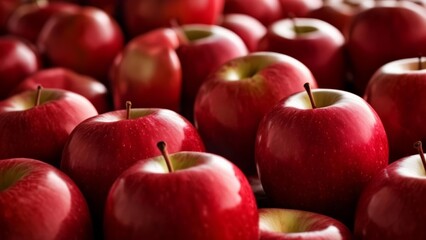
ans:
(391, 206)
(317, 151)
(102, 147)
(389, 31)
(197, 196)
(395, 92)
(6, 9)
(66, 79)
(266, 11)
(233, 100)
(340, 13)
(177, 62)
(248, 28)
(85, 41)
(299, 8)
(141, 16)
(287, 224)
(17, 61)
(29, 18)
(37, 201)
(37, 123)
(315, 43)
(109, 6)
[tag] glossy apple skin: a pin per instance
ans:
(391, 206)
(141, 16)
(266, 11)
(320, 159)
(26, 206)
(66, 79)
(45, 127)
(389, 31)
(228, 111)
(28, 19)
(18, 60)
(159, 84)
(289, 224)
(209, 200)
(299, 8)
(86, 41)
(320, 50)
(249, 29)
(202, 55)
(395, 92)
(102, 147)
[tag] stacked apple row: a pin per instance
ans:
(315, 150)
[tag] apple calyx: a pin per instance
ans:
(38, 96)
(162, 146)
(183, 39)
(307, 87)
(128, 109)
(418, 146)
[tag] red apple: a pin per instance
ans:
(18, 60)
(6, 9)
(102, 147)
(85, 41)
(176, 63)
(391, 207)
(200, 197)
(315, 43)
(141, 16)
(29, 18)
(66, 79)
(289, 224)
(36, 124)
(388, 31)
(37, 201)
(299, 8)
(248, 28)
(320, 158)
(395, 92)
(233, 100)
(266, 11)
(109, 6)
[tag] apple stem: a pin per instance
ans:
(38, 96)
(420, 62)
(307, 87)
(180, 33)
(418, 146)
(128, 109)
(293, 22)
(162, 146)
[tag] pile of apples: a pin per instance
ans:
(212, 119)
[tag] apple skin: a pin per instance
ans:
(66, 79)
(101, 148)
(320, 159)
(37, 201)
(299, 8)
(266, 11)
(248, 28)
(290, 224)
(233, 100)
(18, 60)
(6, 9)
(206, 197)
(389, 31)
(141, 16)
(46, 126)
(202, 55)
(321, 48)
(29, 18)
(395, 93)
(391, 206)
(85, 41)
